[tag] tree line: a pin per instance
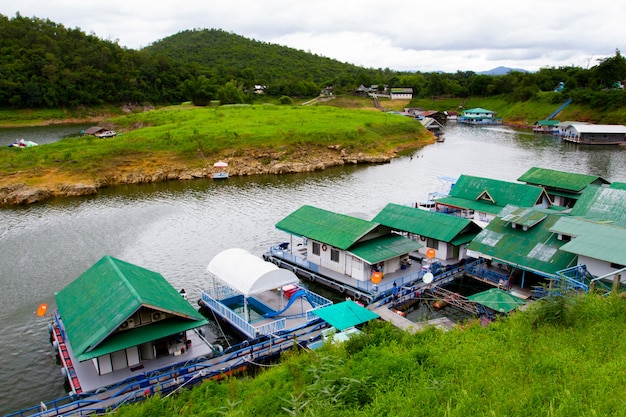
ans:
(46, 65)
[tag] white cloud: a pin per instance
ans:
(450, 36)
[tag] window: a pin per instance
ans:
(334, 255)
(315, 248)
(432, 243)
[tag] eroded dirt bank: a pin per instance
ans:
(16, 192)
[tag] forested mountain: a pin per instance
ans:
(43, 64)
(225, 57)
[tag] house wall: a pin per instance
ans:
(597, 267)
(401, 96)
(103, 364)
(348, 264)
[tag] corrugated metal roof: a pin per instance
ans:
(568, 181)
(463, 203)
(431, 224)
(547, 122)
(479, 110)
(497, 300)
(338, 230)
(590, 128)
(601, 241)
(524, 217)
(145, 334)
(96, 303)
(536, 249)
(602, 204)
(490, 192)
(345, 314)
(382, 248)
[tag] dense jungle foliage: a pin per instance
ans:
(45, 65)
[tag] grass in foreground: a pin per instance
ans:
(564, 361)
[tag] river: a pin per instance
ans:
(175, 228)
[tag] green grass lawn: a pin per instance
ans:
(189, 136)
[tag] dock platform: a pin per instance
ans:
(403, 323)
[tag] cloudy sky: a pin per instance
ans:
(448, 36)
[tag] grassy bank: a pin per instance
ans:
(526, 113)
(563, 359)
(192, 137)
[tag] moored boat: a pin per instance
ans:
(22, 144)
(220, 170)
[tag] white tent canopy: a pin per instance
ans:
(247, 273)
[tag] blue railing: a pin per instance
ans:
(166, 380)
(294, 259)
(478, 270)
(265, 329)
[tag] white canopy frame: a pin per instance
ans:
(248, 274)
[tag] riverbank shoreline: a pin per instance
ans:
(17, 193)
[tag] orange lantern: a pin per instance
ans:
(376, 277)
(430, 253)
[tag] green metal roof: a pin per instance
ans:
(535, 249)
(144, 334)
(489, 195)
(345, 314)
(547, 122)
(567, 181)
(431, 224)
(96, 303)
(463, 203)
(338, 230)
(602, 241)
(619, 185)
(479, 110)
(383, 248)
(525, 217)
(606, 204)
(497, 300)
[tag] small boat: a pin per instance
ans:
(220, 170)
(22, 144)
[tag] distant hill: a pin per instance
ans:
(265, 63)
(501, 71)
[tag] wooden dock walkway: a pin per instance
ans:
(405, 324)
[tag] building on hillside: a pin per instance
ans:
(595, 134)
(447, 235)
(361, 91)
(401, 93)
(481, 199)
(563, 188)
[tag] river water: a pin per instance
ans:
(175, 228)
